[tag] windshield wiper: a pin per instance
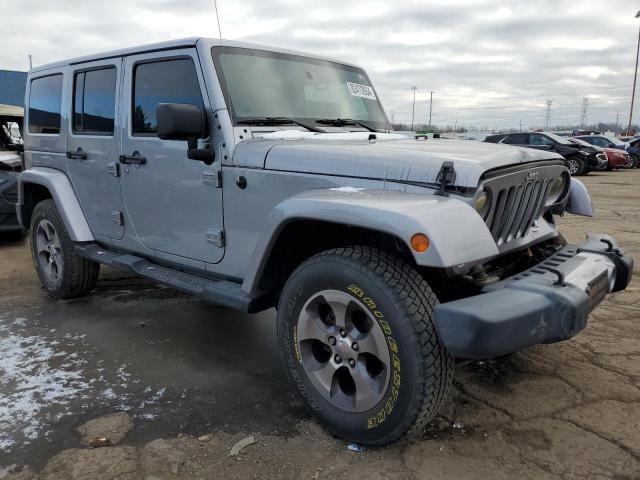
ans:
(340, 122)
(278, 121)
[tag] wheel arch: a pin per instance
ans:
(41, 183)
(318, 220)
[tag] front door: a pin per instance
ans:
(93, 145)
(173, 203)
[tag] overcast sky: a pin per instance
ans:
(491, 62)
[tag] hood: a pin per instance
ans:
(390, 157)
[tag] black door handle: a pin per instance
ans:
(134, 158)
(77, 155)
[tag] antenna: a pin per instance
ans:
(215, 6)
(30, 62)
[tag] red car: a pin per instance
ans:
(617, 158)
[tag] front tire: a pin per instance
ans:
(62, 272)
(358, 342)
(576, 166)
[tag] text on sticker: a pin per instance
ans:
(359, 90)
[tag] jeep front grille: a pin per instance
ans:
(517, 200)
(11, 194)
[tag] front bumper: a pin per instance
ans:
(547, 303)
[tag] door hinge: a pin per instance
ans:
(215, 236)
(113, 168)
(116, 217)
(213, 177)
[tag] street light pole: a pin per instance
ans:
(413, 109)
(635, 76)
(430, 108)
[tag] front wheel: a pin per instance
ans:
(633, 161)
(576, 166)
(359, 345)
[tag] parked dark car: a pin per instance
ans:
(579, 159)
(8, 199)
(633, 149)
(10, 166)
(604, 141)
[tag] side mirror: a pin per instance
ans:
(182, 121)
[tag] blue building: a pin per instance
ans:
(12, 87)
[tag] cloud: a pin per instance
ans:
(489, 62)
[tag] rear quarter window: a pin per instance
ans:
(45, 101)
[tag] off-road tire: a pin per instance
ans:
(78, 275)
(402, 302)
(576, 166)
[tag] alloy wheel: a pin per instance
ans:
(343, 350)
(573, 165)
(49, 250)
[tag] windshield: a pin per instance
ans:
(558, 138)
(260, 84)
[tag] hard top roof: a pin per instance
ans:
(171, 45)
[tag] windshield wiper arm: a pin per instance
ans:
(278, 121)
(339, 122)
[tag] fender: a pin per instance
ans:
(61, 190)
(457, 234)
(580, 202)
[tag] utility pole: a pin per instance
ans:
(455, 125)
(635, 76)
(547, 120)
(430, 108)
(585, 107)
(617, 118)
(413, 109)
(30, 62)
(393, 117)
(520, 124)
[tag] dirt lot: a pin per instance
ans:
(194, 379)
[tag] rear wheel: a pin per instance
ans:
(575, 165)
(62, 272)
(359, 345)
(633, 161)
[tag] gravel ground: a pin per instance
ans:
(193, 379)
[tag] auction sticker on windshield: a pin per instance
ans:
(359, 90)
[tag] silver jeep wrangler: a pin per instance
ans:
(256, 178)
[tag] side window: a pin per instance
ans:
(94, 101)
(45, 100)
(600, 142)
(167, 81)
(537, 139)
(516, 139)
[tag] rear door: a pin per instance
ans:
(93, 145)
(173, 203)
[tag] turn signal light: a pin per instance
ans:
(420, 242)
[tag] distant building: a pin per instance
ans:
(12, 87)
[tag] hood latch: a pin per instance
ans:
(446, 176)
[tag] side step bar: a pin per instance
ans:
(223, 292)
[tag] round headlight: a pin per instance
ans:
(556, 190)
(482, 204)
